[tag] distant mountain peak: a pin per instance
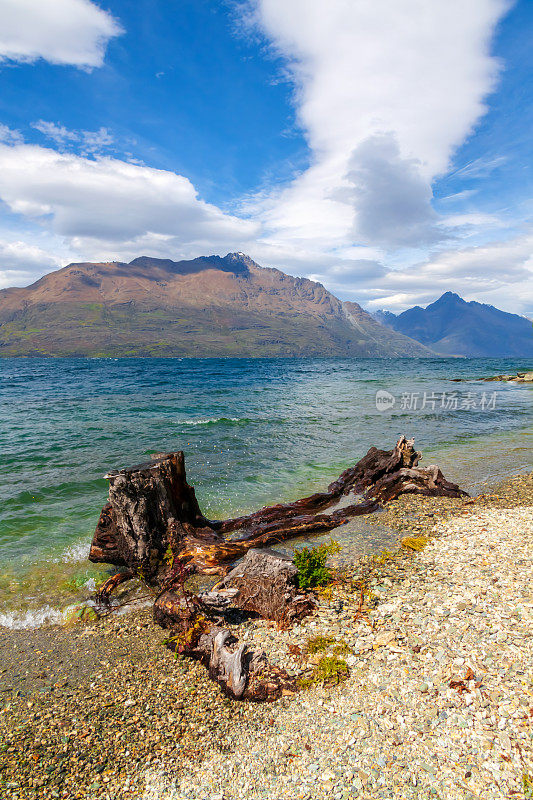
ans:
(239, 260)
(453, 326)
(448, 298)
(384, 317)
(238, 256)
(238, 263)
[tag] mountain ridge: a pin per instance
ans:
(210, 305)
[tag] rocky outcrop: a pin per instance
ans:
(520, 377)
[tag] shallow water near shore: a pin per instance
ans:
(254, 432)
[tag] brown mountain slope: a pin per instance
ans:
(209, 306)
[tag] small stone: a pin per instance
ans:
(505, 742)
(383, 639)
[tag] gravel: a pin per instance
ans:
(438, 702)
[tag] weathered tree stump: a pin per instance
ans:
(152, 526)
(151, 512)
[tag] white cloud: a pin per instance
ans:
(105, 207)
(384, 92)
(60, 31)
(23, 255)
(88, 141)
(476, 220)
(418, 69)
(20, 262)
(57, 133)
(499, 273)
(480, 167)
(391, 200)
(9, 136)
(94, 141)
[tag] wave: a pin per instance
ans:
(48, 615)
(215, 421)
(37, 618)
(75, 552)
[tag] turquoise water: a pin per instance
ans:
(254, 432)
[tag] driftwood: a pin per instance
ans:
(427, 481)
(242, 673)
(153, 527)
(153, 518)
(105, 591)
(264, 583)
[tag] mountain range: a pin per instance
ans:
(208, 306)
(452, 326)
(231, 306)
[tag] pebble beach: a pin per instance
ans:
(437, 701)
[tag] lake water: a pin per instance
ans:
(254, 431)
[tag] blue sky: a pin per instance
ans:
(381, 147)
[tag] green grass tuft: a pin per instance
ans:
(311, 565)
(320, 644)
(329, 670)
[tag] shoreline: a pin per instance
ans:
(103, 705)
(46, 592)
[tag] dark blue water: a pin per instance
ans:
(253, 431)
